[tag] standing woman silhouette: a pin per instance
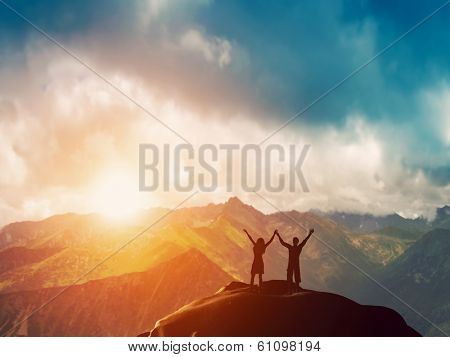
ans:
(259, 248)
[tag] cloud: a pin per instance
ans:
(213, 49)
(65, 146)
(14, 170)
(377, 146)
(438, 105)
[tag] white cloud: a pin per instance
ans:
(151, 11)
(438, 105)
(212, 49)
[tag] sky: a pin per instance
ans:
(223, 72)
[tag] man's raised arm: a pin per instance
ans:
(282, 241)
(311, 231)
(249, 237)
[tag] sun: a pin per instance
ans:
(115, 195)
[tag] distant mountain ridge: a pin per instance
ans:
(366, 223)
(442, 219)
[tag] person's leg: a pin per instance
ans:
(297, 277)
(252, 279)
(289, 275)
(260, 280)
(289, 278)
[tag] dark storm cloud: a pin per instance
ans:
(298, 50)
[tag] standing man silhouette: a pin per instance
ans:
(295, 249)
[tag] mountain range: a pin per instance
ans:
(98, 289)
(391, 224)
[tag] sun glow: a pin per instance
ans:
(116, 195)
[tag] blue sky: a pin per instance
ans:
(258, 62)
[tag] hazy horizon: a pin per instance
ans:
(135, 214)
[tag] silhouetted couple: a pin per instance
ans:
(293, 268)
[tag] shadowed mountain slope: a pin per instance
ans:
(115, 306)
(15, 257)
(420, 277)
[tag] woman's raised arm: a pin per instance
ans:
(249, 237)
(271, 239)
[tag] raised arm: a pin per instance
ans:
(271, 239)
(311, 231)
(249, 237)
(283, 243)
